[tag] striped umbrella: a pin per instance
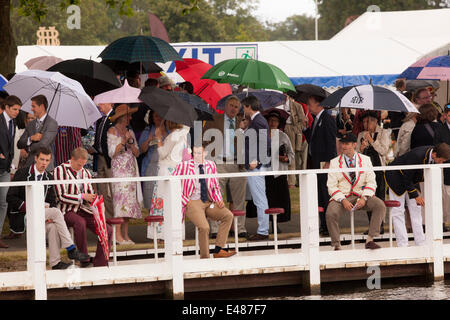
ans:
(438, 68)
(140, 49)
(413, 70)
(369, 97)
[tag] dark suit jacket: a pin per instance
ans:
(258, 124)
(218, 123)
(420, 136)
(444, 133)
(323, 140)
(103, 138)
(49, 130)
(6, 145)
(400, 181)
(16, 197)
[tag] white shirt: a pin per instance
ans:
(254, 115)
(448, 125)
(228, 148)
(7, 118)
(347, 160)
(36, 173)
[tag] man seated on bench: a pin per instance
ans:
(351, 191)
(56, 228)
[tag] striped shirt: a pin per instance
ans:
(69, 194)
(67, 139)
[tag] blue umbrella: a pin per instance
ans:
(267, 99)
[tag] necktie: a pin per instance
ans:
(11, 129)
(203, 189)
(231, 127)
(39, 177)
(352, 174)
(231, 138)
(38, 125)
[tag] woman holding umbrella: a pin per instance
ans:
(123, 150)
(170, 153)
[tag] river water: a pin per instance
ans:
(416, 288)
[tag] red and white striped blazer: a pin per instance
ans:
(68, 193)
(187, 185)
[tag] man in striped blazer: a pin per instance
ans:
(75, 200)
(201, 199)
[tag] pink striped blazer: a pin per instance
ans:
(188, 186)
(68, 193)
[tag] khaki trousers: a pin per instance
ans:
(237, 187)
(335, 209)
(197, 211)
(58, 234)
(104, 189)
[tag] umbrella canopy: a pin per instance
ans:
(42, 62)
(251, 73)
(125, 94)
(121, 67)
(369, 97)
(98, 211)
(209, 90)
(413, 70)
(68, 103)
(93, 76)
(139, 49)
(169, 106)
(267, 99)
(3, 81)
(437, 68)
(306, 90)
(201, 107)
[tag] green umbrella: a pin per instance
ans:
(140, 49)
(251, 73)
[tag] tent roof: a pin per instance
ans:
(398, 24)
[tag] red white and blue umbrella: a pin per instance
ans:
(98, 211)
(413, 70)
(369, 97)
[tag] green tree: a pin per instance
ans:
(333, 13)
(296, 27)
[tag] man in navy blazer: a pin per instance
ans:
(7, 132)
(321, 137)
(257, 159)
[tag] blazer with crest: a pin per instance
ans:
(339, 183)
(401, 181)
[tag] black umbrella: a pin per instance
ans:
(306, 90)
(267, 99)
(169, 106)
(121, 67)
(204, 111)
(95, 77)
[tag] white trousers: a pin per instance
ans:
(398, 220)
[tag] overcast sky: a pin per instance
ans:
(279, 10)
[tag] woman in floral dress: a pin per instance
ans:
(170, 154)
(123, 150)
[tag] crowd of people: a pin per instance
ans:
(132, 141)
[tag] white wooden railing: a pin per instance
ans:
(175, 268)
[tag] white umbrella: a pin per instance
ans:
(369, 97)
(125, 94)
(68, 103)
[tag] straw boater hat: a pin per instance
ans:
(122, 110)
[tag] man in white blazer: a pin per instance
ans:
(353, 191)
(201, 199)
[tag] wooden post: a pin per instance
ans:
(173, 238)
(433, 219)
(309, 223)
(36, 252)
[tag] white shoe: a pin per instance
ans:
(129, 242)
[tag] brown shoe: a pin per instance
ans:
(372, 245)
(3, 245)
(258, 237)
(224, 254)
(337, 248)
